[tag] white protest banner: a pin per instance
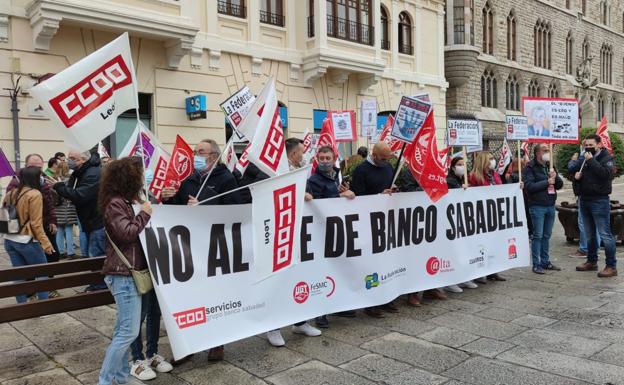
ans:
(344, 125)
(552, 120)
(368, 115)
(236, 108)
(85, 99)
(410, 117)
(463, 132)
(517, 127)
(354, 254)
(276, 211)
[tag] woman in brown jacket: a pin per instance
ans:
(120, 187)
(28, 247)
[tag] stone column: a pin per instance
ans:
(394, 33)
(376, 15)
(418, 37)
(320, 23)
(291, 23)
(253, 16)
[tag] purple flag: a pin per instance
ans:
(5, 166)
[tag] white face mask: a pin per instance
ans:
(492, 164)
(460, 170)
(546, 157)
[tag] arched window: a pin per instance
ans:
(601, 106)
(569, 53)
(512, 91)
(534, 89)
(553, 90)
(614, 110)
(350, 20)
(488, 29)
(511, 36)
(405, 34)
(232, 7)
(385, 39)
(606, 64)
(605, 12)
(488, 90)
(585, 50)
(541, 41)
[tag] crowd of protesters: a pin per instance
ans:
(83, 197)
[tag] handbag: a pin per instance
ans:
(142, 278)
(9, 219)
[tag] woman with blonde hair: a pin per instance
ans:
(484, 174)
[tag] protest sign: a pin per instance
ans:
(552, 120)
(410, 117)
(463, 132)
(343, 123)
(354, 254)
(236, 108)
(368, 114)
(517, 127)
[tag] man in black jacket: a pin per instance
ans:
(595, 176)
(541, 185)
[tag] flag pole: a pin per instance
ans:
(552, 157)
(465, 156)
(519, 163)
(397, 169)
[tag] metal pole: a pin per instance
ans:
(16, 132)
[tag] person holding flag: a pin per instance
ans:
(541, 185)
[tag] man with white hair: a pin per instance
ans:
(82, 190)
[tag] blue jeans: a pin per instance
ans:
(597, 218)
(84, 244)
(96, 240)
(543, 218)
(65, 236)
(582, 237)
(23, 254)
(128, 300)
(150, 312)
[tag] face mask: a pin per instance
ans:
(72, 164)
(325, 167)
(546, 157)
(459, 170)
(149, 177)
(591, 150)
(492, 164)
(199, 163)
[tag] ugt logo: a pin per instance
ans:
(191, 317)
(182, 163)
(284, 204)
(89, 93)
(371, 280)
(274, 143)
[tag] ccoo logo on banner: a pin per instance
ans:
(86, 98)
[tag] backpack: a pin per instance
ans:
(9, 218)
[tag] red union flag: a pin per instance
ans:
(181, 163)
(277, 208)
(603, 133)
(267, 148)
(85, 99)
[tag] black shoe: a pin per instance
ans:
(496, 277)
(322, 322)
(100, 286)
(346, 314)
(550, 266)
(538, 270)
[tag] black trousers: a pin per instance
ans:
(55, 256)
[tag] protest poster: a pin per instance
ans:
(462, 132)
(551, 120)
(344, 125)
(517, 127)
(410, 117)
(368, 115)
(478, 147)
(236, 107)
(354, 254)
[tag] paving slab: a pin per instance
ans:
(317, 373)
(416, 377)
(423, 354)
(487, 347)
(221, 373)
(257, 356)
(22, 362)
(613, 335)
(558, 342)
(48, 377)
(324, 349)
(11, 339)
(534, 321)
(448, 337)
(376, 367)
(476, 325)
(83, 360)
(500, 314)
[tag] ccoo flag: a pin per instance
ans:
(85, 99)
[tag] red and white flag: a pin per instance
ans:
(102, 152)
(525, 147)
(309, 147)
(243, 162)
(277, 208)
(326, 138)
(267, 149)
(85, 99)
(155, 158)
(426, 163)
(181, 164)
(505, 158)
(228, 157)
(395, 144)
(603, 133)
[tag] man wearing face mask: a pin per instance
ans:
(541, 187)
(220, 180)
(595, 176)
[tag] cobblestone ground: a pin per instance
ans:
(559, 328)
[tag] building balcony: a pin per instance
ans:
(227, 8)
(343, 29)
(272, 18)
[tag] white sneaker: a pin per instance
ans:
(454, 289)
(142, 370)
(275, 338)
(159, 364)
(470, 285)
(306, 329)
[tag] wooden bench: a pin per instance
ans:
(66, 274)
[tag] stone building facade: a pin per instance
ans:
(500, 50)
(323, 54)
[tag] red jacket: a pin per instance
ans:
(472, 180)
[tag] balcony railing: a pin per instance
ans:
(272, 18)
(385, 44)
(227, 8)
(346, 30)
(406, 49)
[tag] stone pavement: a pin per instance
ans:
(560, 328)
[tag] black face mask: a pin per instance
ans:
(591, 150)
